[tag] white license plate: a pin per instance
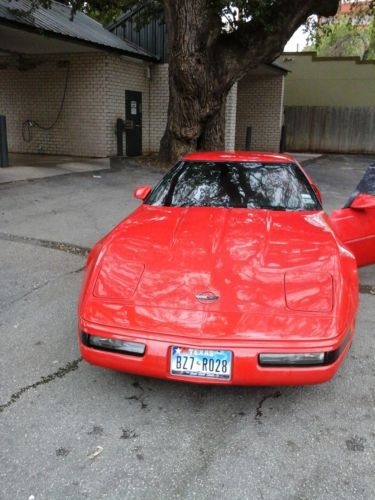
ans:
(204, 363)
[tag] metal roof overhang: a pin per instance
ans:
(26, 39)
(19, 37)
(15, 40)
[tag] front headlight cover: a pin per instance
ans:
(309, 291)
(117, 278)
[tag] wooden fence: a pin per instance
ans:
(324, 129)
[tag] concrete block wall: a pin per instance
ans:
(36, 94)
(159, 104)
(121, 74)
(231, 118)
(95, 98)
(260, 106)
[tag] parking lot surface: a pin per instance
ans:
(71, 430)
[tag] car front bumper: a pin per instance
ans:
(246, 369)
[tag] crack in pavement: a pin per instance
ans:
(54, 245)
(50, 178)
(258, 411)
(370, 289)
(15, 298)
(60, 373)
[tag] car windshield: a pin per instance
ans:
(275, 186)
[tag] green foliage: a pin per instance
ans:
(104, 11)
(233, 14)
(108, 10)
(345, 35)
(34, 4)
(239, 18)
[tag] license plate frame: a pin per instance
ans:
(212, 364)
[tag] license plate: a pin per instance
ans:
(204, 363)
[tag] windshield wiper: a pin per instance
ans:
(275, 207)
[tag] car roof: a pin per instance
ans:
(243, 156)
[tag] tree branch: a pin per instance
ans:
(262, 39)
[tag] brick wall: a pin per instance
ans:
(36, 95)
(260, 106)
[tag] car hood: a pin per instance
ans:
(250, 259)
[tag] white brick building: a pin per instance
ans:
(87, 71)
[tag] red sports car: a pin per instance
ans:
(229, 272)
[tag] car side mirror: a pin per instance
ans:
(363, 201)
(141, 192)
(318, 193)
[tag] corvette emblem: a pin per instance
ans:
(205, 297)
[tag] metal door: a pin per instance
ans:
(355, 223)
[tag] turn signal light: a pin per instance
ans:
(282, 359)
(114, 345)
(305, 358)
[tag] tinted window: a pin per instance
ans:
(278, 186)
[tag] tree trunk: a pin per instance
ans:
(205, 62)
(196, 109)
(194, 123)
(213, 133)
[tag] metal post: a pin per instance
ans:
(248, 139)
(120, 127)
(4, 158)
(283, 139)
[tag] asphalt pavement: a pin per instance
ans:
(71, 430)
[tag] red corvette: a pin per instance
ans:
(229, 272)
